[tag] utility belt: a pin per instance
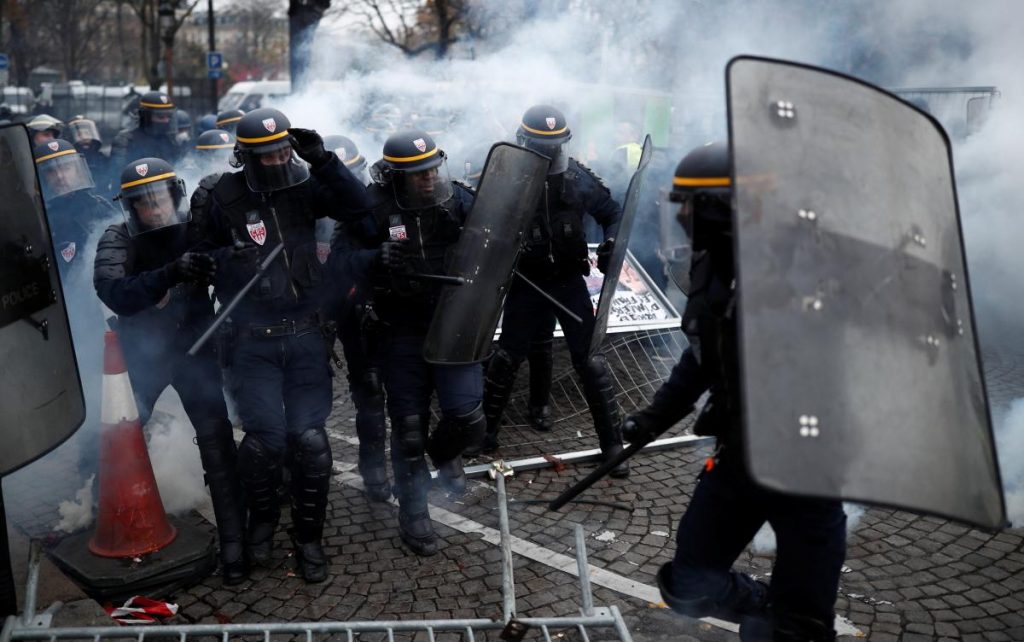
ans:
(285, 328)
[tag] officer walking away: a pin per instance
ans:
(155, 135)
(419, 214)
(146, 273)
(728, 508)
(556, 259)
(278, 365)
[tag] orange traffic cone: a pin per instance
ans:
(131, 519)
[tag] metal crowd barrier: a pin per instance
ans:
(37, 626)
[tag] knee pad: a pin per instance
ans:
(456, 433)
(594, 371)
(407, 433)
(254, 454)
(501, 368)
(312, 451)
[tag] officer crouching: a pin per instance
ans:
(278, 361)
(145, 272)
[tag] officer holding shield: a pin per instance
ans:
(417, 218)
(728, 507)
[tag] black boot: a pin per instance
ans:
(259, 470)
(455, 434)
(218, 455)
(498, 381)
(371, 428)
(452, 476)
(600, 395)
(412, 479)
(311, 481)
(541, 364)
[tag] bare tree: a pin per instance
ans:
(151, 33)
(416, 26)
(261, 36)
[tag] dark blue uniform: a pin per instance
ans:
(728, 508)
(158, 320)
(405, 308)
(279, 370)
(556, 258)
(135, 143)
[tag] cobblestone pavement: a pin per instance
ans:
(907, 577)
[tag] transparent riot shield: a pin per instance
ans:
(41, 401)
(611, 278)
(463, 325)
(861, 377)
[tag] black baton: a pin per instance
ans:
(223, 313)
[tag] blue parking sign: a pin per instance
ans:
(5, 62)
(214, 61)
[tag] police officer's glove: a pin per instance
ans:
(393, 256)
(309, 146)
(192, 267)
(637, 429)
(604, 255)
(244, 255)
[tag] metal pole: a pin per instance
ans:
(213, 47)
(584, 571)
(508, 585)
(552, 300)
(33, 583)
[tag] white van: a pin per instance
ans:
(250, 94)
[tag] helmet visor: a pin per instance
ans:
(83, 132)
(154, 206)
(416, 190)
(554, 151)
(65, 174)
(676, 250)
(272, 167)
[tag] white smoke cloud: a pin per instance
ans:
(175, 456)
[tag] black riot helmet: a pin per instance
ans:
(228, 120)
(346, 150)
(264, 149)
(215, 147)
(544, 130)
(703, 186)
(416, 168)
(84, 134)
(152, 196)
(62, 169)
(157, 114)
(183, 122)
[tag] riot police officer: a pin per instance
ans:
(348, 307)
(72, 206)
(84, 135)
(228, 120)
(279, 367)
(417, 217)
(146, 273)
(728, 508)
(43, 128)
(154, 136)
(556, 259)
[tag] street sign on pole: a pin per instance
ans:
(5, 62)
(214, 64)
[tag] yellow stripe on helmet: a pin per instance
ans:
(224, 146)
(234, 119)
(714, 181)
(353, 161)
(148, 179)
(541, 132)
(55, 155)
(410, 159)
(264, 139)
(157, 105)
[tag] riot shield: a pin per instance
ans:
(463, 324)
(611, 278)
(41, 402)
(860, 369)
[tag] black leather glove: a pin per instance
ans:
(604, 255)
(394, 255)
(309, 146)
(192, 267)
(637, 429)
